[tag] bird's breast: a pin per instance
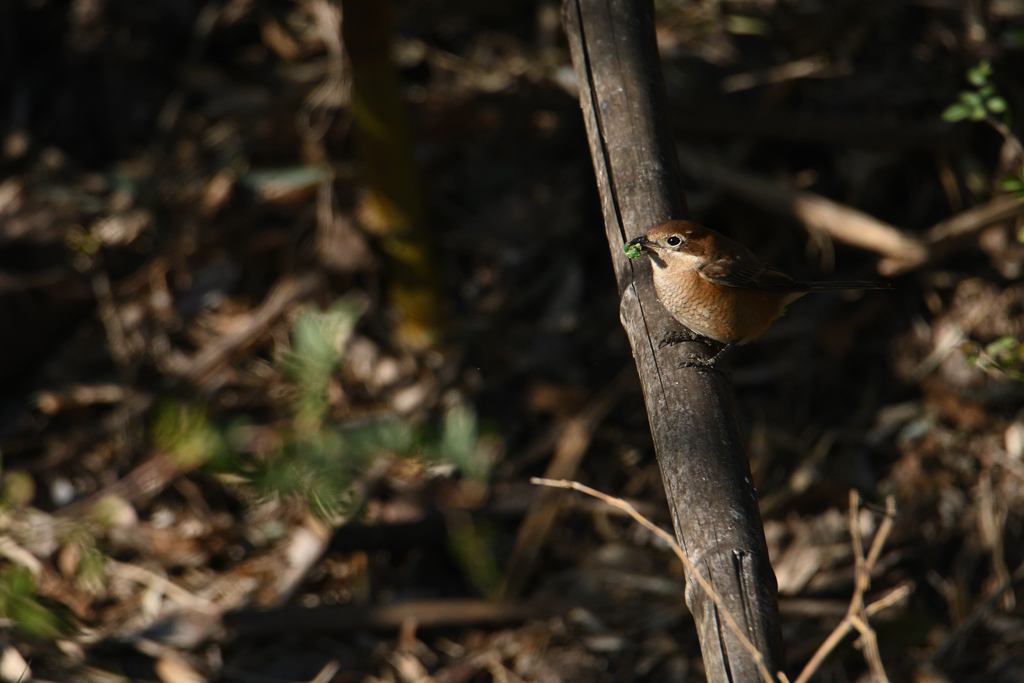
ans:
(725, 314)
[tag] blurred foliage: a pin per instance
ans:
(471, 543)
(1014, 183)
(1005, 355)
(983, 104)
(458, 443)
(19, 603)
(308, 456)
(184, 431)
(979, 103)
(18, 489)
(317, 340)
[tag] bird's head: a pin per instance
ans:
(671, 242)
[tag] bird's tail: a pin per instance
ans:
(844, 285)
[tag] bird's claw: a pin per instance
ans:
(673, 337)
(700, 362)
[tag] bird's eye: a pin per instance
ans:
(673, 241)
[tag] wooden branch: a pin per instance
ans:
(691, 411)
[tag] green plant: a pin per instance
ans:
(1014, 182)
(1004, 356)
(17, 489)
(319, 461)
(318, 338)
(184, 431)
(470, 542)
(19, 603)
(308, 455)
(983, 103)
(979, 103)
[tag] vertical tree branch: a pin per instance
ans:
(691, 411)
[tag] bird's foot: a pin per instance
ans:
(673, 337)
(695, 361)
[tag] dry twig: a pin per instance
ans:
(943, 237)
(285, 292)
(162, 584)
(857, 614)
(691, 570)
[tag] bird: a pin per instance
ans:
(718, 288)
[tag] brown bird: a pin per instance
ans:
(718, 288)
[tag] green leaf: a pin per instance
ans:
(367, 438)
(18, 489)
(184, 431)
(971, 98)
(1011, 183)
(458, 442)
(746, 26)
(978, 75)
(318, 338)
(978, 114)
(953, 113)
(996, 105)
(1002, 345)
(19, 604)
(472, 545)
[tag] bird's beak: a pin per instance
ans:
(642, 242)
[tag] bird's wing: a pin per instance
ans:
(747, 273)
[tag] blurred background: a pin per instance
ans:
(296, 296)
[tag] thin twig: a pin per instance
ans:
(897, 594)
(944, 237)
(862, 579)
(846, 625)
(884, 529)
(691, 570)
(165, 586)
(284, 293)
(857, 614)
